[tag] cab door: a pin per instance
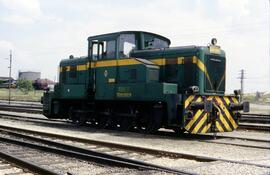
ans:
(103, 69)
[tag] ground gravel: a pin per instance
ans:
(220, 168)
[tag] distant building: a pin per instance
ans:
(29, 75)
(4, 82)
(5, 79)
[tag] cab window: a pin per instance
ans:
(158, 43)
(153, 42)
(95, 51)
(126, 45)
(103, 50)
(110, 52)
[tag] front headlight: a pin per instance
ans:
(194, 89)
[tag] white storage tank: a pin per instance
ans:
(29, 75)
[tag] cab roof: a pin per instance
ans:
(109, 36)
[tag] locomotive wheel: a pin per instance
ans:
(79, 120)
(76, 118)
(125, 123)
(150, 127)
(102, 122)
(121, 123)
(70, 113)
(151, 121)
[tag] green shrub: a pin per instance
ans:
(25, 85)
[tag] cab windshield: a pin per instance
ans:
(215, 82)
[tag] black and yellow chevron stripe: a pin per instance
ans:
(202, 122)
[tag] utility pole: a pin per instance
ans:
(242, 77)
(9, 82)
(9, 79)
(269, 37)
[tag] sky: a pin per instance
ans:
(42, 32)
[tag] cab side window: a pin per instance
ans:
(111, 49)
(152, 42)
(103, 50)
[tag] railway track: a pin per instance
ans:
(255, 118)
(166, 133)
(25, 118)
(42, 159)
(260, 122)
(36, 142)
(36, 109)
(111, 147)
(130, 151)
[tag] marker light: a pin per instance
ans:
(214, 41)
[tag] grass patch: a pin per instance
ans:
(258, 98)
(17, 95)
(259, 109)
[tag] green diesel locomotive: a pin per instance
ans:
(135, 80)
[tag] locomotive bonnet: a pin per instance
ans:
(135, 80)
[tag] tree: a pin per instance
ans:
(25, 85)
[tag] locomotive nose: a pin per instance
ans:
(213, 114)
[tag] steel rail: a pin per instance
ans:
(236, 144)
(253, 119)
(20, 101)
(234, 137)
(252, 114)
(34, 168)
(21, 109)
(151, 151)
(207, 136)
(21, 106)
(18, 117)
(256, 127)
